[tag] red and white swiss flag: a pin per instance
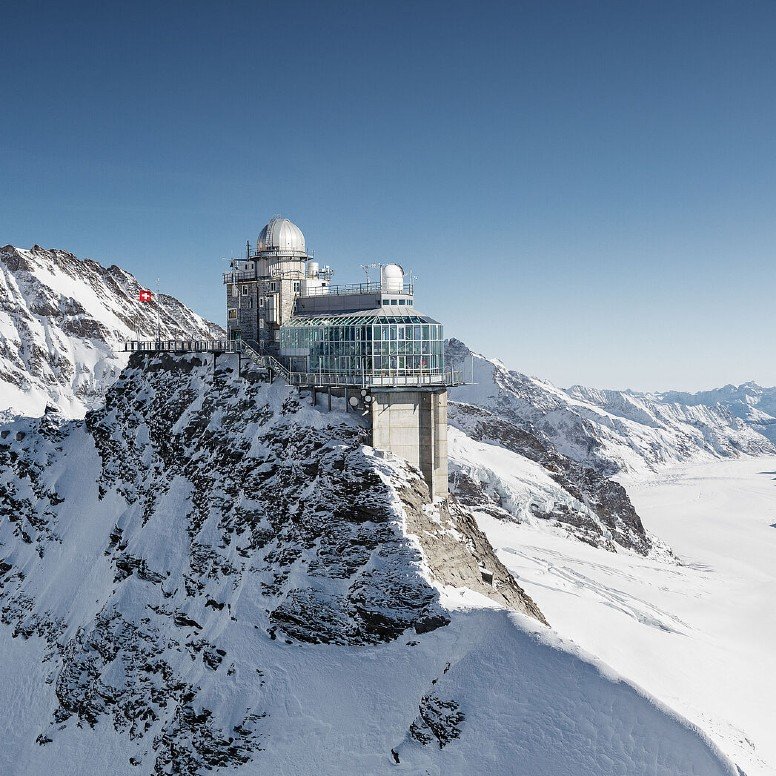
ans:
(145, 296)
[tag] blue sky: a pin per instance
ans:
(584, 190)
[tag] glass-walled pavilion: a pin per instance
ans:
(370, 343)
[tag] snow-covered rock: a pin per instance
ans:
(750, 402)
(63, 322)
(209, 573)
(613, 431)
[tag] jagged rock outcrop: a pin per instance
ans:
(587, 504)
(199, 485)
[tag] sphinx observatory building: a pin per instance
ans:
(365, 342)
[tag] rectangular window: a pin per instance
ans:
(232, 314)
(402, 301)
(297, 286)
(245, 290)
(394, 301)
(261, 301)
(386, 302)
(273, 287)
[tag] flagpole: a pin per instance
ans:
(158, 320)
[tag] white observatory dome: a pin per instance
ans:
(392, 278)
(281, 236)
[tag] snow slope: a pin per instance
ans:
(208, 573)
(698, 632)
(63, 322)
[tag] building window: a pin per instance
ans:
(232, 314)
(245, 290)
(261, 301)
(273, 287)
(394, 301)
(234, 289)
(402, 301)
(386, 302)
(297, 286)
(250, 304)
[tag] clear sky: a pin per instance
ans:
(584, 190)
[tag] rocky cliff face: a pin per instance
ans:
(63, 322)
(210, 502)
(208, 573)
(573, 497)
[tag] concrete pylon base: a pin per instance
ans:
(412, 423)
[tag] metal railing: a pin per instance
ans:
(356, 288)
(373, 287)
(181, 346)
(251, 350)
(375, 381)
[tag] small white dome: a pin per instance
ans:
(392, 277)
(281, 236)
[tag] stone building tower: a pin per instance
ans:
(261, 288)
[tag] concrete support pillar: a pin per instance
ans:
(413, 425)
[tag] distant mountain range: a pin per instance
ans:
(616, 431)
(750, 402)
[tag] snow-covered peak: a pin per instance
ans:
(62, 324)
(749, 401)
(610, 430)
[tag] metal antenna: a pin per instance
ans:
(158, 319)
(367, 267)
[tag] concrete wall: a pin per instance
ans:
(413, 425)
(336, 303)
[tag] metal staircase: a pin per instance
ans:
(251, 349)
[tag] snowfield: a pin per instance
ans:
(698, 632)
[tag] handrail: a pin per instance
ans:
(180, 346)
(250, 349)
(373, 287)
(278, 367)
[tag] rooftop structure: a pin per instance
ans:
(281, 237)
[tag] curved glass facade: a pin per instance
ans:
(371, 344)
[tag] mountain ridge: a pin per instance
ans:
(62, 324)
